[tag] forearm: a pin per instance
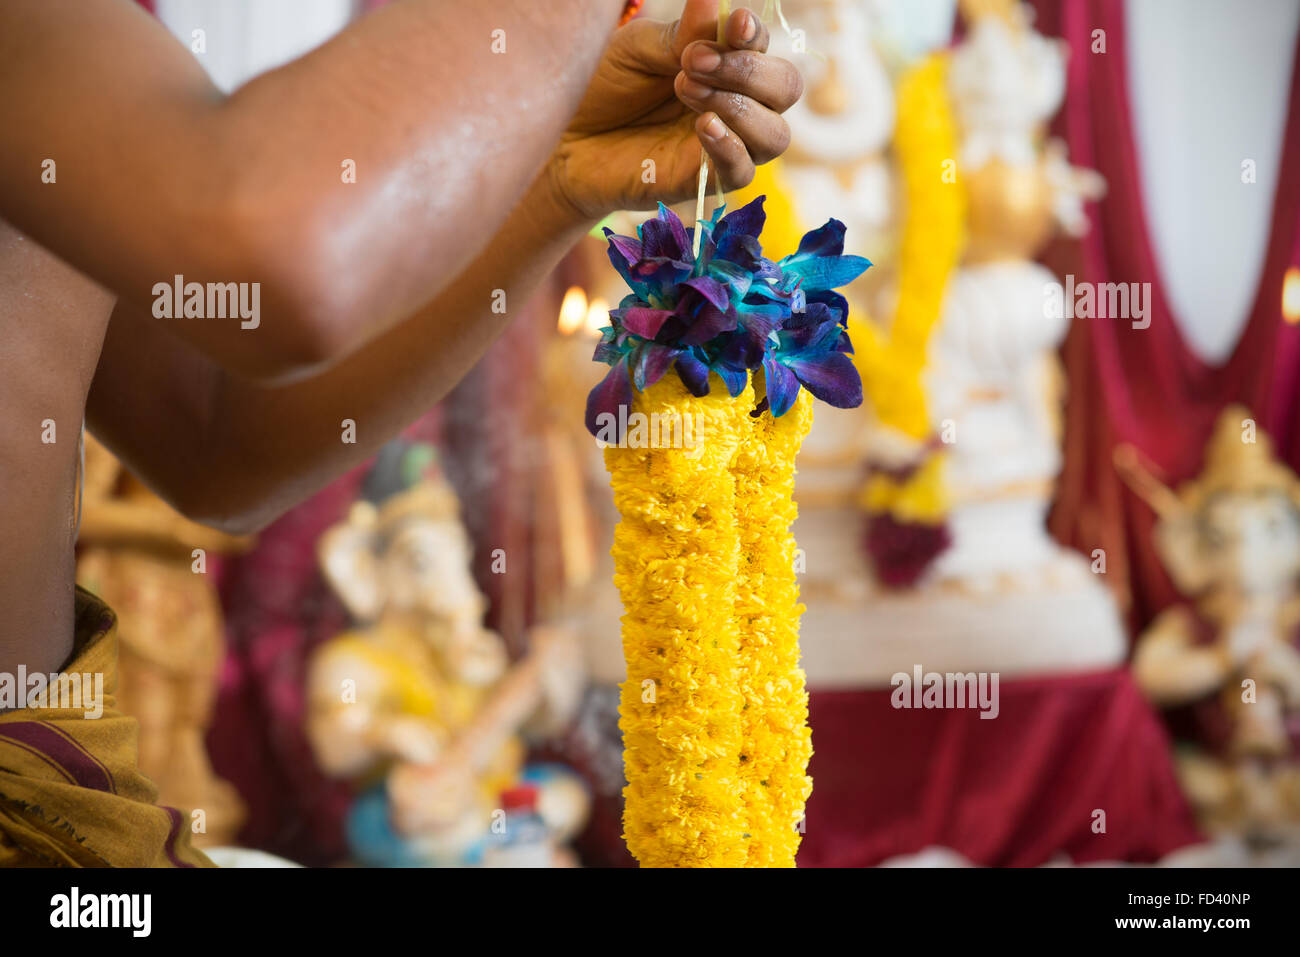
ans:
(159, 175)
(238, 453)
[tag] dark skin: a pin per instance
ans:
(376, 297)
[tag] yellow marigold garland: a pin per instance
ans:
(676, 553)
(925, 143)
(714, 710)
(777, 740)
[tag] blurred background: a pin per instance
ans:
(1074, 472)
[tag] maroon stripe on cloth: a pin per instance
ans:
(60, 751)
(170, 847)
(44, 757)
(112, 784)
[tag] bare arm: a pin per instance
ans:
(236, 453)
(158, 174)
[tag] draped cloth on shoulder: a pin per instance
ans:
(71, 794)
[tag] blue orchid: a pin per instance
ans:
(728, 312)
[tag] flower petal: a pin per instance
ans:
(782, 387)
(708, 323)
(825, 272)
(649, 363)
(748, 220)
(712, 290)
(678, 230)
(832, 378)
(828, 240)
(610, 393)
(665, 239)
(694, 374)
(735, 379)
(644, 321)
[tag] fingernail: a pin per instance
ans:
(714, 129)
(694, 89)
(705, 59)
(750, 29)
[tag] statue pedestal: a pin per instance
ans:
(1060, 619)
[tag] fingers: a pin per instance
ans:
(771, 81)
(745, 31)
(763, 132)
(728, 155)
(699, 21)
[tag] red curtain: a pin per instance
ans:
(1018, 791)
(1144, 386)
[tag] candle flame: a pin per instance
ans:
(597, 316)
(573, 311)
(1291, 296)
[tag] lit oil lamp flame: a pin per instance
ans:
(597, 316)
(573, 311)
(1291, 296)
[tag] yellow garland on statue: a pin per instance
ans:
(777, 739)
(676, 554)
(925, 142)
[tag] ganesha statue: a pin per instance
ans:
(1227, 662)
(419, 705)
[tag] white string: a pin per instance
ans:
(699, 201)
(724, 12)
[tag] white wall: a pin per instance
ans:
(1208, 83)
(247, 37)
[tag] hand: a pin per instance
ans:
(424, 798)
(661, 91)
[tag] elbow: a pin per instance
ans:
(226, 493)
(223, 514)
(300, 308)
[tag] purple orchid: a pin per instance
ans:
(729, 312)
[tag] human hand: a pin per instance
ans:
(662, 91)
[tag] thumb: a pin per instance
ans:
(699, 21)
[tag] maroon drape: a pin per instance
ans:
(1020, 790)
(1146, 387)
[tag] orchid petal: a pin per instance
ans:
(650, 362)
(832, 378)
(827, 240)
(694, 374)
(712, 290)
(645, 322)
(708, 323)
(734, 379)
(611, 393)
(828, 272)
(782, 387)
(748, 220)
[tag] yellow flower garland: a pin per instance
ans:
(676, 554)
(777, 739)
(714, 712)
(925, 143)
